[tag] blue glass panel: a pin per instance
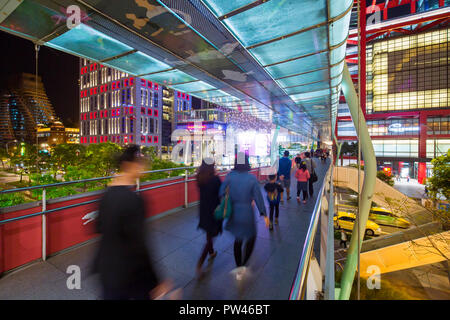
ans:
(138, 63)
(221, 7)
(292, 47)
(275, 18)
(337, 70)
(308, 88)
(315, 102)
(194, 86)
(310, 95)
(338, 7)
(30, 18)
(337, 54)
(170, 77)
(304, 78)
(298, 66)
(210, 94)
(339, 30)
(336, 81)
(85, 41)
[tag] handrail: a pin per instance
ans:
(85, 180)
(43, 212)
(63, 183)
(298, 287)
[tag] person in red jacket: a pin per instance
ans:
(302, 176)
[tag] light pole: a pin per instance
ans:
(14, 141)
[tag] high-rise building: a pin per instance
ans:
(23, 106)
(173, 102)
(117, 107)
(407, 102)
(55, 133)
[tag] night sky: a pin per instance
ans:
(59, 72)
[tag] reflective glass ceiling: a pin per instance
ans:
(297, 43)
(288, 57)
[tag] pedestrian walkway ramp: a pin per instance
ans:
(384, 195)
(405, 255)
(176, 244)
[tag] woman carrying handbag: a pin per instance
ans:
(243, 188)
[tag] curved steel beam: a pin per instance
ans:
(370, 174)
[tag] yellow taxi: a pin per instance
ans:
(385, 217)
(346, 220)
(380, 216)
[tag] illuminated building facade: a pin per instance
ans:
(23, 108)
(407, 107)
(55, 133)
(173, 102)
(117, 107)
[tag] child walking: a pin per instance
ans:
(274, 195)
(302, 176)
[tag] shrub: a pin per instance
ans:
(385, 178)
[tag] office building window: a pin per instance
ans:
(152, 125)
(409, 72)
(346, 129)
(437, 147)
(408, 148)
(438, 125)
(393, 127)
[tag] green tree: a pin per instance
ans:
(3, 156)
(81, 172)
(438, 184)
(103, 156)
(350, 149)
(385, 178)
(66, 154)
(25, 159)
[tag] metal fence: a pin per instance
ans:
(44, 200)
(301, 286)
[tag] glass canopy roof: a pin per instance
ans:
(297, 43)
(298, 48)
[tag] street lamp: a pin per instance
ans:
(14, 141)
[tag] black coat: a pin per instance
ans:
(209, 200)
(123, 259)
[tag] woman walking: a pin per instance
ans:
(209, 185)
(243, 188)
(123, 259)
(302, 176)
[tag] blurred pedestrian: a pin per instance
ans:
(123, 259)
(274, 194)
(302, 176)
(284, 174)
(311, 166)
(209, 186)
(243, 190)
(343, 242)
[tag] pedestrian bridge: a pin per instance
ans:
(175, 245)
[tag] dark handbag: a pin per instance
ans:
(225, 208)
(313, 175)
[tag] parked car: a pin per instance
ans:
(385, 217)
(379, 215)
(345, 220)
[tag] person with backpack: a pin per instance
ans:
(298, 159)
(310, 166)
(243, 188)
(302, 176)
(209, 185)
(274, 194)
(284, 174)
